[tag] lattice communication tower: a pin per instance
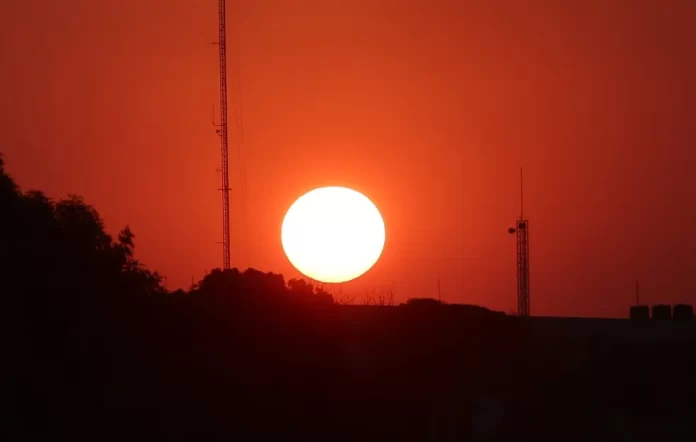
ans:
(223, 133)
(522, 230)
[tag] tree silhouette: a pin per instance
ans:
(381, 298)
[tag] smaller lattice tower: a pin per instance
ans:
(522, 231)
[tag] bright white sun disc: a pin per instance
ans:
(333, 234)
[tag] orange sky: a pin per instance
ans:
(429, 108)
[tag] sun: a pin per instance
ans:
(333, 234)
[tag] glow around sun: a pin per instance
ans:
(333, 234)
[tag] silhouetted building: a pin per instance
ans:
(640, 312)
(683, 312)
(662, 311)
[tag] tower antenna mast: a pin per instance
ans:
(222, 131)
(522, 231)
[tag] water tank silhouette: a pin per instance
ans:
(640, 312)
(683, 312)
(661, 311)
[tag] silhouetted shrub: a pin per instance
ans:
(424, 302)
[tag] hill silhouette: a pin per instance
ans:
(99, 350)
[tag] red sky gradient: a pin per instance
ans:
(429, 108)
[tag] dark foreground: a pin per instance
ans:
(330, 373)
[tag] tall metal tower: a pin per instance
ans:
(522, 231)
(222, 131)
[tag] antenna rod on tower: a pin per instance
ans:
(439, 298)
(521, 195)
(224, 152)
